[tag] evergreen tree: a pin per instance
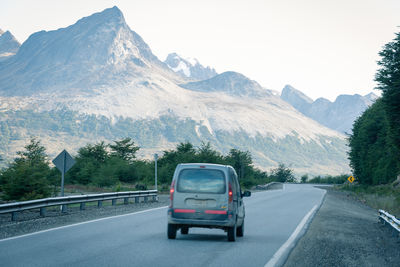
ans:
(375, 142)
(27, 176)
(124, 149)
(184, 153)
(282, 174)
(89, 161)
(388, 78)
(206, 153)
(373, 156)
(241, 161)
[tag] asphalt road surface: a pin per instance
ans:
(140, 239)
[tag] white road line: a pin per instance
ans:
(71, 225)
(281, 251)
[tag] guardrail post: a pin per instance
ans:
(126, 201)
(99, 203)
(154, 198)
(43, 211)
(64, 208)
(82, 206)
(113, 202)
(145, 199)
(136, 199)
(14, 216)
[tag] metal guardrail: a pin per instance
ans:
(16, 207)
(269, 186)
(386, 217)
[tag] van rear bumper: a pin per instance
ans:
(201, 220)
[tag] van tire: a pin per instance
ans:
(171, 231)
(240, 230)
(184, 230)
(232, 233)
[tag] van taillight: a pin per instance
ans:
(230, 193)
(171, 192)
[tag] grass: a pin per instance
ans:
(91, 189)
(386, 197)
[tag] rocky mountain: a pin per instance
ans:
(99, 50)
(189, 67)
(8, 45)
(231, 83)
(338, 115)
(98, 80)
(295, 98)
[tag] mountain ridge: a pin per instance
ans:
(338, 115)
(118, 88)
(230, 82)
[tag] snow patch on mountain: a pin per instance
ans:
(182, 67)
(189, 67)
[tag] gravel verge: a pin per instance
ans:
(30, 221)
(345, 232)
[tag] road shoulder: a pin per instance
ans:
(345, 232)
(30, 221)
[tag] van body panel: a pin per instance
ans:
(201, 197)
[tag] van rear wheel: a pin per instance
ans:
(171, 231)
(232, 233)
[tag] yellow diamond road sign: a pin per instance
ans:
(350, 179)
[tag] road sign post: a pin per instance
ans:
(155, 170)
(63, 162)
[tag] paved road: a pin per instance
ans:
(140, 239)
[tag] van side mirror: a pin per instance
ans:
(246, 194)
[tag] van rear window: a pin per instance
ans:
(201, 181)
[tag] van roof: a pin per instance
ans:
(203, 164)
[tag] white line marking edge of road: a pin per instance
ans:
(75, 224)
(283, 249)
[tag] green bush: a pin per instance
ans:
(28, 176)
(282, 174)
(339, 179)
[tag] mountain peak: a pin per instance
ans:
(110, 13)
(296, 98)
(289, 93)
(371, 96)
(8, 35)
(229, 82)
(112, 17)
(189, 67)
(8, 44)
(95, 46)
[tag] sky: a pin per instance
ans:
(322, 47)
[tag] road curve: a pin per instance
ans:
(139, 239)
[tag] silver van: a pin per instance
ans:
(208, 196)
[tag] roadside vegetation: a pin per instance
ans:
(329, 179)
(386, 197)
(375, 142)
(102, 167)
